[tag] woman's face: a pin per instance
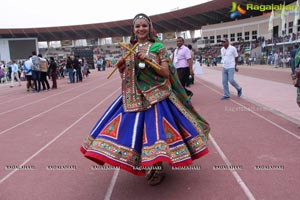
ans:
(141, 29)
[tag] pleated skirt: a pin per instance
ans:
(133, 141)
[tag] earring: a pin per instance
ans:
(150, 35)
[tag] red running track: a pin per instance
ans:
(44, 132)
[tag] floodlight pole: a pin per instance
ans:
(285, 29)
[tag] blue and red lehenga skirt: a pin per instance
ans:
(133, 141)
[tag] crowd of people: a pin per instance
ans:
(36, 71)
(77, 68)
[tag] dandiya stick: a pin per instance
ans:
(128, 54)
(149, 62)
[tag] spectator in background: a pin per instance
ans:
(191, 78)
(113, 62)
(14, 73)
(8, 73)
(82, 67)
(191, 51)
(276, 59)
(214, 61)
(36, 72)
(99, 63)
(229, 59)
(44, 72)
(183, 63)
(2, 74)
(200, 60)
(27, 66)
(53, 72)
(77, 67)
(61, 70)
(69, 67)
(85, 67)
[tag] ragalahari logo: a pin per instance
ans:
(236, 10)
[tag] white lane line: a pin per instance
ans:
(34, 102)
(58, 105)
(57, 137)
(266, 119)
(112, 184)
(15, 99)
(70, 88)
(237, 177)
(255, 113)
(274, 111)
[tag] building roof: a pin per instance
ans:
(191, 18)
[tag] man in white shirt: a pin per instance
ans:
(36, 72)
(27, 66)
(15, 73)
(229, 59)
(276, 59)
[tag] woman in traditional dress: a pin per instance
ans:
(152, 121)
(296, 76)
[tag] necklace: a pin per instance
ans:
(142, 65)
(143, 44)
